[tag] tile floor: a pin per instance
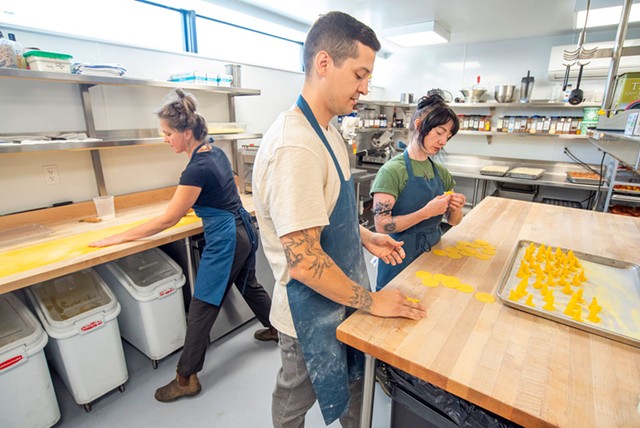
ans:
(237, 381)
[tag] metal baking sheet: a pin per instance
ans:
(515, 173)
(578, 180)
(493, 172)
(615, 284)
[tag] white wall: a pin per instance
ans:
(32, 106)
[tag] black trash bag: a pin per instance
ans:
(460, 411)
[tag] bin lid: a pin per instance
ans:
(72, 295)
(45, 54)
(147, 269)
(18, 326)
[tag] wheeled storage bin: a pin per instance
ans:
(147, 285)
(28, 397)
(79, 313)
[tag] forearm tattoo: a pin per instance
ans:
(361, 298)
(383, 210)
(307, 245)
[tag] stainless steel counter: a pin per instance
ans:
(555, 174)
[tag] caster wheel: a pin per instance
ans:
(121, 388)
(154, 364)
(87, 407)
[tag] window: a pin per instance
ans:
(236, 44)
(160, 24)
(123, 21)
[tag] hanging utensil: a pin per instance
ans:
(565, 82)
(577, 95)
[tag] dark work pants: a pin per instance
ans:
(202, 315)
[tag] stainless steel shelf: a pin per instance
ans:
(369, 130)
(625, 198)
(6, 148)
(624, 148)
(536, 104)
(120, 81)
(387, 104)
(524, 134)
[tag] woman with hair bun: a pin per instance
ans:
(412, 193)
(207, 184)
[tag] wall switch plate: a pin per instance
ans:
(51, 174)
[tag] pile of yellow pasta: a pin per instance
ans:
(479, 249)
(545, 271)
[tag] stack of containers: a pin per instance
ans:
(146, 285)
(79, 313)
(28, 398)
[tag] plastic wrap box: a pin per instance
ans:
(79, 313)
(147, 285)
(28, 397)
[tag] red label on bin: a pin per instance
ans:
(91, 325)
(167, 292)
(10, 362)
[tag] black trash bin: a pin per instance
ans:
(416, 403)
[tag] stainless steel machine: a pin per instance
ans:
(246, 157)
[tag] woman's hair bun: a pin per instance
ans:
(430, 100)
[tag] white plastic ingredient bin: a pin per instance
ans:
(79, 313)
(147, 285)
(28, 397)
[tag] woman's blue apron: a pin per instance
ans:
(332, 365)
(422, 236)
(216, 259)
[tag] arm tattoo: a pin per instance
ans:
(390, 227)
(361, 298)
(383, 209)
(307, 245)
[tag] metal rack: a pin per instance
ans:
(115, 139)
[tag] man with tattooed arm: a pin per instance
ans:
(305, 205)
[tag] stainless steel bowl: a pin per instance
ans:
(504, 93)
(473, 95)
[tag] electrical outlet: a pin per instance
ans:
(51, 174)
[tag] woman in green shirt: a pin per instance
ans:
(412, 193)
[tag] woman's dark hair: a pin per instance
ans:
(180, 114)
(433, 111)
(337, 34)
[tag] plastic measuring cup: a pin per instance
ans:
(105, 207)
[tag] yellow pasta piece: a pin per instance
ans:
(485, 297)
(430, 282)
(423, 274)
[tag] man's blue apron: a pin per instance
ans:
(216, 259)
(331, 364)
(421, 237)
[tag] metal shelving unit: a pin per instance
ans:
(625, 150)
(107, 141)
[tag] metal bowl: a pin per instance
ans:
(473, 95)
(504, 93)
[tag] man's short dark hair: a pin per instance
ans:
(337, 34)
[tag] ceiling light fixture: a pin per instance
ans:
(424, 33)
(606, 16)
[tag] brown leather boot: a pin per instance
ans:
(266, 334)
(178, 388)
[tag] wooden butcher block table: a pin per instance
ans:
(531, 370)
(64, 248)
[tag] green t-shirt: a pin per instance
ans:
(392, 176)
